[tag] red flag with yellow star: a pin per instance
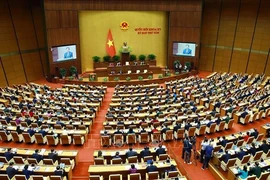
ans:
(110, 48)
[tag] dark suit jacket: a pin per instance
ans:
(59, 172)
(145, 153)
(27, 173)
(264, 148)
(131, 153)
(31, 132)
(53, 156)
(160, 151)
(252, 151)
(42, 132)
(226, 157)
(241, 154)
(11, 172)
(8, 155)
(151, 168)
(37, 156)
(164, 130)
(256, 171)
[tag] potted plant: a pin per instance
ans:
(63, 72)
(128, 79)
(116, 58)
(116, 79)
(168, 74)
(73, 70)
(160, 76)
(188, 64)
(150, 77)
(132, 57)
(105, 79)
(96, 59)
(176, 73)
(80, 79)
(106, 58)
(140, 78)
(142, 57)
(71, 77)
(151, 57)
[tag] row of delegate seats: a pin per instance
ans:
(32, 177)
(39, 139)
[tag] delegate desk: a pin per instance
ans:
(265, 130)
(125, 69)
(233, 172)
(132, 76)
(71, 154)
(106, 170)
(108, 154)
(45, 170)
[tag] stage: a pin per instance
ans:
(100, 80)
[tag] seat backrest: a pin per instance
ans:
(213, 127)
(66, 161)
(99, 161)
(26, 137)
(20, 177)
(180, 133)
(135, 176)
(115, 177)
(250, 140)
(18, 160)
(230, 124)
(3, 159)
(37, 177)
(144, 137)
(260, 137)
(48, 161)
(202, 129)
(4, 177)
(117, 161)
(95, 177)
(55, 178)
(39, 138)
(131, 138)
(153, 175)
(50, 139)
(77, 139)
(231, 162)
(265, 175)
(3, 136)
(229, 145)
(258, 155)
(169, 135)
(32, 161)
(240, 143)
(64, 139)
(156, 136)
(15, 136)
(245, 159)
(222, 125)
(133, 159)
(173, 174)
(163, 157)
(146, 158)
(105, 140)
(191, 131)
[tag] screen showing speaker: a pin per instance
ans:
(64, 53)
(184, 49)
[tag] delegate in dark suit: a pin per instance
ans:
(145, 152)
(160, 150)
(131, 153)
(52, 155)
(37, 156)
(9, 155)
(151, 168)
(11, 171)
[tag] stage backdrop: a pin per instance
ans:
(94, 26)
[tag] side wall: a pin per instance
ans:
(22, 41)
(63, 26)
(235, 36)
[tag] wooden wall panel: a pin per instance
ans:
(62, 19)
(7, 35)
(33, 68)
(21, 34)
(244, 35)
(243, 32)
(211, 17)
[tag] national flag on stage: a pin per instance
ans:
(110, 48)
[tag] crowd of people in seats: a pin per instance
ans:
(249, 144)
(29, 169)
(151, 167)
(38, 112)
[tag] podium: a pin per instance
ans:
(124, 57)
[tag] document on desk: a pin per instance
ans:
(59, 152)
(234, 170)
(47, 169)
